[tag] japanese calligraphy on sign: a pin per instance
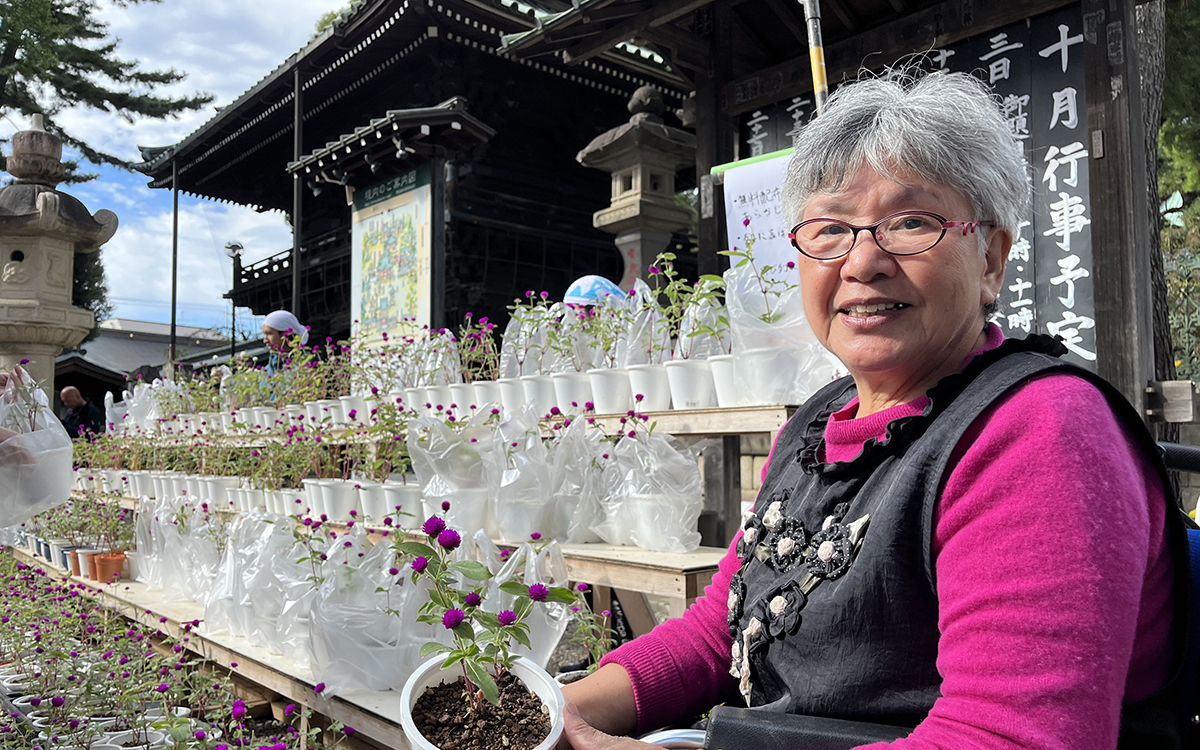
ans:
(1035, 68)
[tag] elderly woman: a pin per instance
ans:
(966, 536)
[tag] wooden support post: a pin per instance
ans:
(731, 485)
(437, 231)
(297, 185)
(714, 137)
(1119, 209)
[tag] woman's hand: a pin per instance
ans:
(579, 735)
(6, 434)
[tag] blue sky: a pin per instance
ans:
(225, 47)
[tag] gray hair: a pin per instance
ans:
(944, 127)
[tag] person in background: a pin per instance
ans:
(5, 434)
(84, 415)
(279, 329)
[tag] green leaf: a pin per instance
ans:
(521, 637)
(484, 681)
(418, 549)
(432, 648)
(562, 595)
(514, 588)
(522, 608)
(471, 569)
(464, 631)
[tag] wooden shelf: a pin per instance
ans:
(375, 714)
(745, 420)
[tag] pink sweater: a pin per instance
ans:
(1054, 583)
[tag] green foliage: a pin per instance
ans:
(90, 290)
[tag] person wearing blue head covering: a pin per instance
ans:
(590, 290)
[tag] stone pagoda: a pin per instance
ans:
(642, 156)
(41, 229)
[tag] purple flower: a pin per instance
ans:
(35, 702)
(201, 735)
(24, 361)
(538, 592)
(419, 564)
(287, 711)
(791, 264)
(453, 618)
(239, 710)
(746, 221)
(449, 539)
(473, 599)
(433, 526)
(393, 571)
(535, 536)
(348, 731)
(581, 587)
(163, 688)
(445, 505)
(57, 701)
(507, 617)
(319, 688)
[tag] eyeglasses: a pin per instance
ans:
(905, 233)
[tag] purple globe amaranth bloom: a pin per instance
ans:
(473, 599)
(419, 564)
(581, 587)
(201, 735)
(445, 505)
(57, 701)
(433, 526)
(319, 688)
(507, 617)
(453, 618)
(163, 688)
(449, 539)
(538, 592)
(535, 536)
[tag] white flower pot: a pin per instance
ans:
(431, 674)
(227, 423)
(233, 499)
(408, 498)
(268, 418)
(539, 391)
(340, 497)
(572, 390)
(314, 496)
(516, 519)
(723, 382)
(691, 383)
(219, 492)
(246, 419)
(651, 382)
(132, 569)
(192, 482)
(611, 392)
(358, 405)
(373, 500)
(512, 394)
(294, 413)
(769, 374)
(178, 485)
(417, 398)
(292, 501)
(462, 398)
(488, 392)
(439, 395)
(312, 410)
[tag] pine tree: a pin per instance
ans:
(56, 55)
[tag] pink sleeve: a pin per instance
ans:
(1052, 576)
(681, 668)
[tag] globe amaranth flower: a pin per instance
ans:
(393, 571)
(419, 564)
(433, 526)
(472, 599)
(449, 539)
(348, 731)
(201, 735)
(320, 687)
(535, 536)
(538, 592)
(239, 710)
(57, 701)
(453, 618)
(507, 617)
(445, 505)
(582, 587)
(163, 688)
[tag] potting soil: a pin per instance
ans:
(520, 722)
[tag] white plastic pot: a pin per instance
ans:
(769, 374)
(462, 398)
(267, 417)
(539, 391)
(416, 398)
(723, 383)
(488, 392)
(572, 390)
(431, 674)
(314, 497)
(358, 405)
(611, 392)
(219, 491)
(650, 381)
(312, 410)
(691, 383)
(439, 395)
(340, 497)
(227, 420)
(192, 481)
(408, 497)
(373, 501)
(294, 412)
(512, 394)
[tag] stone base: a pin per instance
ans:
(638, 247)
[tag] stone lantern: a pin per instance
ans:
(642, 156)
(41, 229)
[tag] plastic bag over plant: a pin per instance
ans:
(648, 337)
(35, 464)
(519, 476)
(576, 475)
(653, 498)
(771, 335)
(704, 326)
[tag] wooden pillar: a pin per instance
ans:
(1119, 202)
(297, 185)
(714, 136)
